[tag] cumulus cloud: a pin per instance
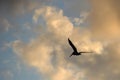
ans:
(107, 66)
(55, 21)
(49, 52)
(104, 18)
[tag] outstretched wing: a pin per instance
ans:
(71, 44)
(86, 52)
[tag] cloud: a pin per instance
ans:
(49, 52)
(107, 66)
(55, 21)
(6, 75)
(5, 46)
(4, 25)
(81, 20)
(105, 19)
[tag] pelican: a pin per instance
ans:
(75, 52)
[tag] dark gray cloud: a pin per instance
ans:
(9, 9)
(19, 6)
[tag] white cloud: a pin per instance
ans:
(49, 52)
(81, 19)
(57, 23)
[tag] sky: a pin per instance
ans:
(34, 39)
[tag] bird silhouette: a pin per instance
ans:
(75, 52)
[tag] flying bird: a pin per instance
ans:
(75, 52)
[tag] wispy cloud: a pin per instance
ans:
(78, 21)
(4, 25)
(6, 75)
